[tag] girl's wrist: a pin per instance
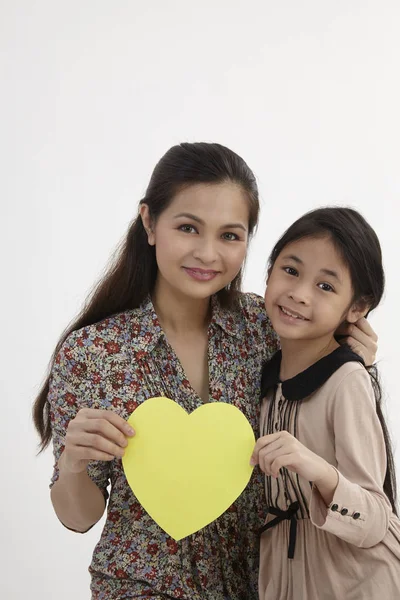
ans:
(327, 483)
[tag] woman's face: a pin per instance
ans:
(200, 239)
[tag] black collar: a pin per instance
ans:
(308, 381)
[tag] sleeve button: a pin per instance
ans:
(356, 515)
(334, 507)
(344, 511)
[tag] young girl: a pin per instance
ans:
(167, 319)
(331, 530)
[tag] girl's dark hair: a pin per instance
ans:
(359, 248)
(132, 274)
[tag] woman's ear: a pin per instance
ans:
(357, 310)
(147, 224)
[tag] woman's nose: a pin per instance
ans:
(206, 251)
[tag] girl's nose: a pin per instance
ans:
(300, 296)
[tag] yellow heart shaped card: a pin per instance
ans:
(187, 469)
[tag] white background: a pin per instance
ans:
(92, 94)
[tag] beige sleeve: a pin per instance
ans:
(360, 511)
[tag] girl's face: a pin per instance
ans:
(200, 239)
(309, 291)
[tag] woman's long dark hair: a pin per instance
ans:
(359, 247)
(132, 275)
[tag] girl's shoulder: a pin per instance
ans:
(350, 373)
(352, 383)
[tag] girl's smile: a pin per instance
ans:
(291, 316)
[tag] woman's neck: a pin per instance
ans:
(298, 355)
(177, 313)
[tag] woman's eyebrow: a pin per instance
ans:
(201, 222)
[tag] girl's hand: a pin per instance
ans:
(272, 452)
(361, 338)
(94, 435)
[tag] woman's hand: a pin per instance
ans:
(94, 435)
(361, 338)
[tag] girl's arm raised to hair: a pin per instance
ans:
(359, 511)
(85, 440)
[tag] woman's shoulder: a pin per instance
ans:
(251, 301)
(97, 340)
(255, 318)
(252, 308)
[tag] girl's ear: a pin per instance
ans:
(357, 310)
(146, 220)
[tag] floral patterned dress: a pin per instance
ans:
(117, 364)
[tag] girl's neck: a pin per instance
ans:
(298, 355)
(179, 314)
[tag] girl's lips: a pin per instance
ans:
(201, 274)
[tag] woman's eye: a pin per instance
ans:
(326, 287)
(230, 236)
(187, 228)
(290, 271)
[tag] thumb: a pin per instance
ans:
(254, 458)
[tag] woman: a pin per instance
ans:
(167, 319)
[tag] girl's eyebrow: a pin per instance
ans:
(298, 260)
(201, 222)
(293, 257)
(331, 273)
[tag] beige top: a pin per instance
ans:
(351, 549)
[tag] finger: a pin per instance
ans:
(359, 349)
(285, 460)
(261, 443)
(359, 335)
(92, 454)
(364, 325)
(267, 450)
(106, 430)
(366, 350)
(266, 460)
(272, 447)
(110, 416)
(362, 343)
(98, 443)
(358, 331)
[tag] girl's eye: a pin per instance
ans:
(187, 228)
(290, 271)
(326, 287)
(230, 236)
